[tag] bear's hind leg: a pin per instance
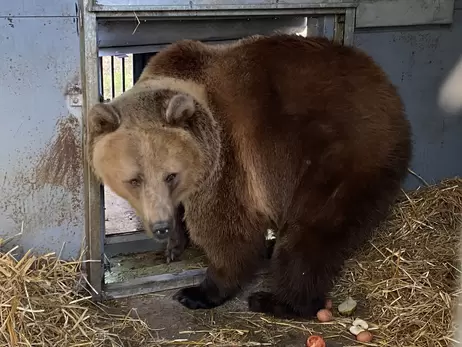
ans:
(302, 272)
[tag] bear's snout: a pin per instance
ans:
(160, 229)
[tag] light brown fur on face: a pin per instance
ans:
(138, 153)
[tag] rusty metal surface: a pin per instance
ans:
(40, 162)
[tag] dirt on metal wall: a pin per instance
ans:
(41, 188)
(33, 192)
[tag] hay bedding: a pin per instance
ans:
(408, 275)
(42, 303)
(405, 281)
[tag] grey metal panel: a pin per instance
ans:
(417, 62)
(210, 3)
(382, 13)
(323, 25)
(128, 33)
(40, 160)
(42, 8)
(193, 5)
(349, 30)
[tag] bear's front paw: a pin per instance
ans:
(177, 244)
(194, 298)
(174, 251)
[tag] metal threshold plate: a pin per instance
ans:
(152, 284)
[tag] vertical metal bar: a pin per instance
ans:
(101, 78)
(138, 66)
(112, 78)
(123, 74)
(89, 73)
(349, 26)
(339, 28)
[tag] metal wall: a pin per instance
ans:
(40, 161)
(40, 158)
(417, 59)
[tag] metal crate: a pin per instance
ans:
(335, 17)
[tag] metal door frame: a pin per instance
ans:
(89, 12)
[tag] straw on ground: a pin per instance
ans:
(405, 281)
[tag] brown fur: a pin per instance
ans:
(298, 134)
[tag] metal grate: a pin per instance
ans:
(116, 75)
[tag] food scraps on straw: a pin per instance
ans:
(324, 315)
(359, 329)
(347, 307)
(355, 330)
(361, 323)
(364, 336)
(315, 341)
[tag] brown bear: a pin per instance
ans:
(300, 135)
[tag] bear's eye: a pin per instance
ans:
(136, 182)
(170, 177)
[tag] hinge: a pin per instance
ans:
(75, 100)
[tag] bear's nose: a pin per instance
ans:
(160, 229)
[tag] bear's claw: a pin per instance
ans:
(175, 249)
(173, 254)
(193, 298)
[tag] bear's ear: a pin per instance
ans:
(102, 119)
(180, 108)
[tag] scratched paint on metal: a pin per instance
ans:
(41, 192)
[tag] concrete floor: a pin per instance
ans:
(169, 318)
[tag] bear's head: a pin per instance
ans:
(153, 147)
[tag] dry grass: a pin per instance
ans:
(405, 281)
(42, 304)
(409, 277)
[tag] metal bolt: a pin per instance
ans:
(75, 100)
